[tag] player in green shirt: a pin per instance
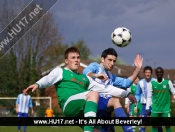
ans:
(130, 107)
(77, 93)
(160, 96)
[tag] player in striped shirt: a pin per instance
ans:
(159, 95)
(23, 103)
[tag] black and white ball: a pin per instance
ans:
(121, 37)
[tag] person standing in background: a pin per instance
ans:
(23, 103)
(49, 112)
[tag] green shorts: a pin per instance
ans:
(74, 106)
(167, 114)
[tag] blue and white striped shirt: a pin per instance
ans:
(141, 91)
(24, 102)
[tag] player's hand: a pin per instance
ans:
(32, 87)
(103, 77)
(32, 112)
(132, 99)
(138, 61)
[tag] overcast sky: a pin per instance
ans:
(151, 22)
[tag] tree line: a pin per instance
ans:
(40, 49)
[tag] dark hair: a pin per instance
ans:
(148, 68)
(138, 76)
(71, 49)
(160, 69)
(109, 51)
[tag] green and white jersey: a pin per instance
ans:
(131, 89)
(67, 83)
(160, 94)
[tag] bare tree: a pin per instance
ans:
(39, 49)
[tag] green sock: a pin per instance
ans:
(168, 129)
(90, 110)
(154, 129)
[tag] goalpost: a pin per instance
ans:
(7, 104)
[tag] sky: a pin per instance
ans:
(151, 22)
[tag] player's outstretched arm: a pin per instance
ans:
(138, 63)
(54, 76)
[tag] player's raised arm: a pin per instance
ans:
(138, 63)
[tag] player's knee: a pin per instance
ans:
(93, 95)
(115, 102)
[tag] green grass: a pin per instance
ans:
(58, 129)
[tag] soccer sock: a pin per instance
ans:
(160, 129)
(18, 128)
(168, 129)
(142, 129)
(90, 110)
(133, 128)
(154, 129)
(25, 128)
(119, 112)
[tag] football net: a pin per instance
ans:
(8, 106)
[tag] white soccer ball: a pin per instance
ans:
(121, 37)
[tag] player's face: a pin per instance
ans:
(159, 73)
(73, 61)
(24, 92)
(136, 80)
(108, 62)
(147, 74)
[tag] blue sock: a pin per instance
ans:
(119, 112)
(160, 129)
(25, 128)
(18, 128)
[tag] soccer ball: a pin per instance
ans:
(121, 37)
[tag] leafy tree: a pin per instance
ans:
(84, 50)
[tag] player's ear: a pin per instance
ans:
(102, 59)
(66, 61)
